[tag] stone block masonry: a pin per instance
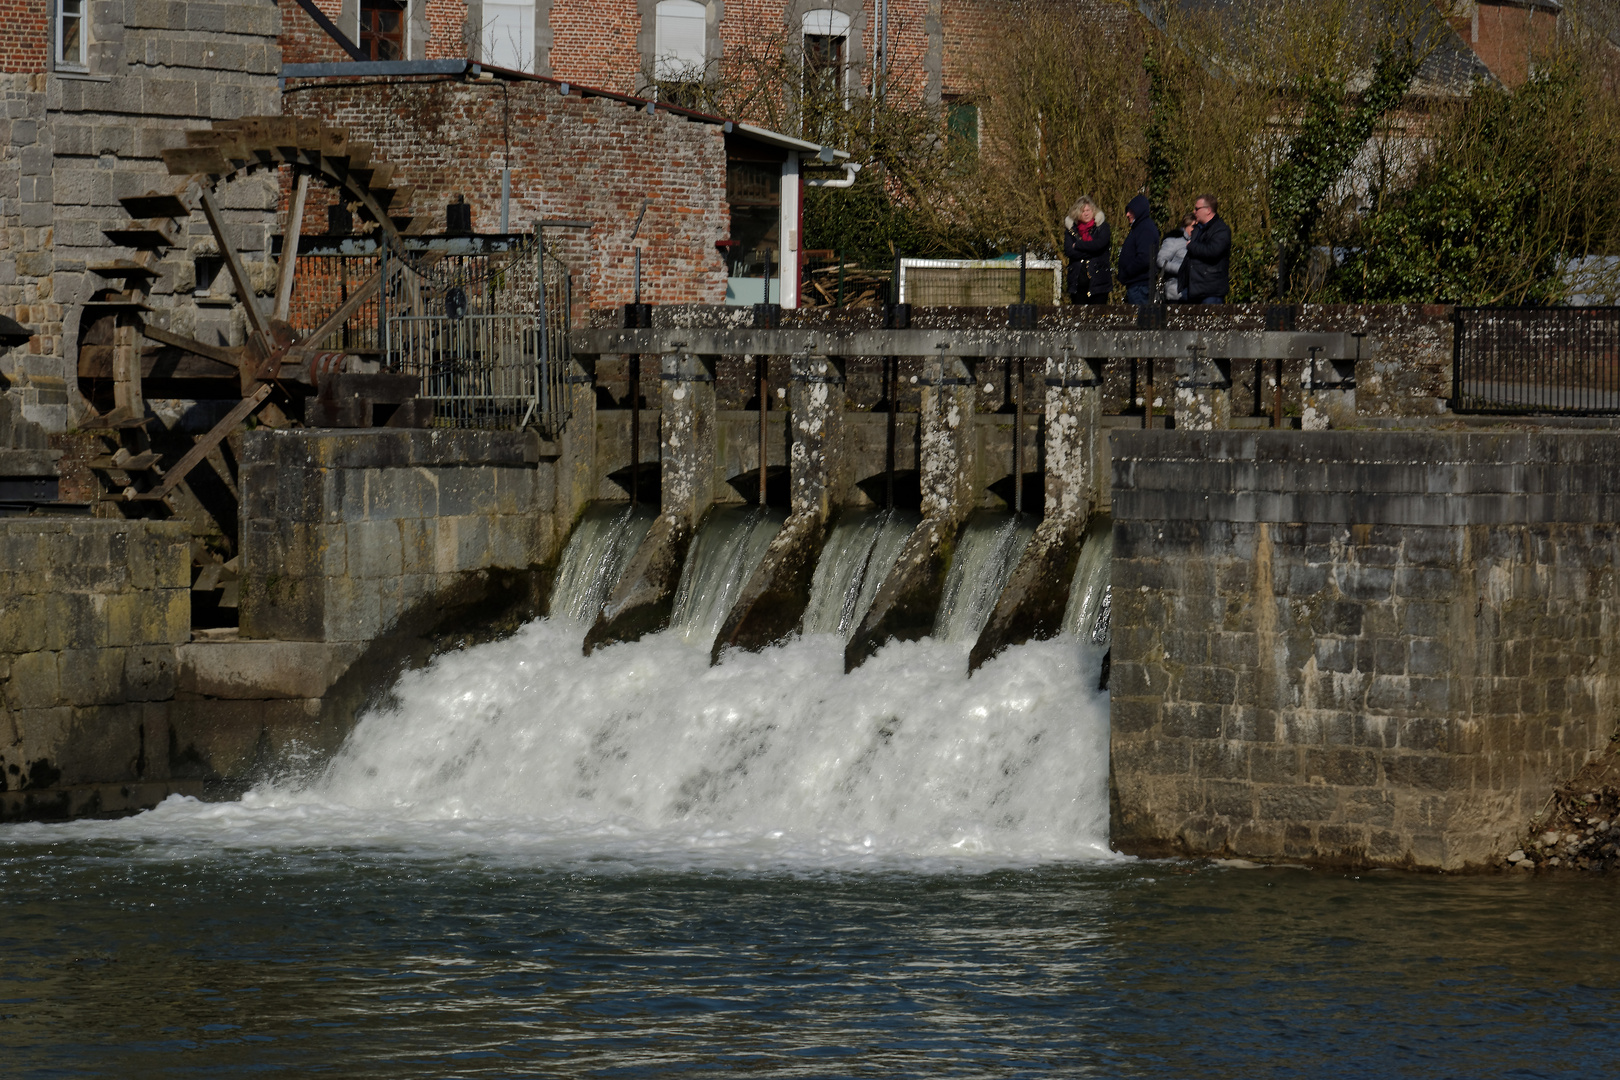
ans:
(72, 142)
(344, 535)
(1358, 648)
(91, 615)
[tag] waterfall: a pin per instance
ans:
(603, 541)
(723, 556)
(858, 555)
(642, 754)
(986, 554)
(1090, 594)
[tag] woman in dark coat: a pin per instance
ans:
(1086, 241)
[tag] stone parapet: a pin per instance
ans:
(345, 533)
(1354, 647)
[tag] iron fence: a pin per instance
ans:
(487, 335)
(1537, 360)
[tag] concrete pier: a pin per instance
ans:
(906, 603)
(641, 601)
(773, 601)
(1030, 609)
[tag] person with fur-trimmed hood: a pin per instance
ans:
(1086, 240)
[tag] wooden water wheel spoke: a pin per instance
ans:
(289, 249)
(238, 272)
(229, 355)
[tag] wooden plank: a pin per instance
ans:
(281, 131)
(228, 356)
(155, 204)
(334, 141)
(233, 263)
(214, 437)
(191, 160)
(289, 249)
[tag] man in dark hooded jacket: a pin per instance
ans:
(1137, 253)
(1206, 271)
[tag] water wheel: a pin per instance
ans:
(277, 366)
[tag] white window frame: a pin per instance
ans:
(663, 70)
(829, 23)
(82, 17)
(524, 47)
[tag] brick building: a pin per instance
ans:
(631, 46)
(685, 190)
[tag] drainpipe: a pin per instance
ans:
(850, 169)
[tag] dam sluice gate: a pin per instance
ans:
(1337, 622)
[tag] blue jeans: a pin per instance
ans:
(1213, 300)
(1139, 294)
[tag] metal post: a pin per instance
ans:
(543, 374)
(382, 306)
(636, 296)
(635, 429)
(1023, 272)
(764, 390)
(1147, 399)
(1018, 442)
(1276, 398)
(506, 196)
(891, 369)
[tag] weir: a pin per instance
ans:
(1302, 641)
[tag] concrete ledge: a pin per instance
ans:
(259, 670)
(385, 448)
(29, 462)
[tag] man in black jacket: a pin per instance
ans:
(1137, 253)
(1206, 272)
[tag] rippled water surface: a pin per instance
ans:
(116, 960)
(533, 863)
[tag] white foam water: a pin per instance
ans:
(642, 755)
(986, 555)
(603, 541)
(859, 553)
(724, 554)
(1090, 593)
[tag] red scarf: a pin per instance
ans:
(1084, 228)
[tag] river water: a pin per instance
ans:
(530, 862)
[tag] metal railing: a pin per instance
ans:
(978, 282)
(489, 343)
(1537, 360)
(480, 371)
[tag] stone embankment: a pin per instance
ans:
(1579, 828)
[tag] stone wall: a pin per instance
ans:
(91, 615)
(72, 142)
(1355, 647)
(346, 534)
